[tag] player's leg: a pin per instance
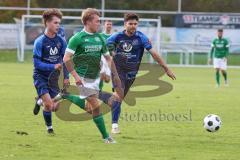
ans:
(224, 71)
(98, 118)
(75, 99)
(216, 64)
(43, 85)
(47, 114)
(116, 107)
(217, 76)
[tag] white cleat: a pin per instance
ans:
(226, 84)
(217, 86)
(115, 130)
(109, 140)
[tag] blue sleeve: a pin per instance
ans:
(146, 42)
(37, 58)
(65, 71)
(111, 42)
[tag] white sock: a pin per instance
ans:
(49, 127)
(39, 102)
(114, 125)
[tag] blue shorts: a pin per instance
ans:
(45, 85)
(127, 79)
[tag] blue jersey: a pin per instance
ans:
(129, 50)
(46, 53)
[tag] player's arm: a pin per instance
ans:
(115, 77)
(67, 59)
(148, 46)
(110, 47)
(161, 62)
(227, 48)
(66, 81)
(37, 59)
(211, 53)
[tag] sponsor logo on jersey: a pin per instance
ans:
(93, 48)
(126, 46)
(53, 51)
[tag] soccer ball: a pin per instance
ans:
(212, 123)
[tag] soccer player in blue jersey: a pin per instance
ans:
(48, 53)
(127, 48)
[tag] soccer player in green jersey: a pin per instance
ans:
(107, 29)
(82, 59)
(105, 72)
(219, 53)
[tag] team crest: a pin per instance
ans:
(97, 39)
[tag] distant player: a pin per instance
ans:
(105, 72)
(82, 59)
(219, 53)
(127, 49)
(107, 32)
(48, 53)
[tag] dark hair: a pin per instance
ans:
(88, 14)
(220, 30)
(50, 13)
(108, 20)
(130, 16)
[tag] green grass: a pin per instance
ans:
(172, 58)
(165, 140)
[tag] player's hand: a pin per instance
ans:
(210, 61)
(66, 83)
(58, 66)
(105, 77)
(78, 80)
(119, 90)
(170, 74)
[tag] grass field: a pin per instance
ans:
(194, 95)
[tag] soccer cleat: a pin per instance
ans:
(109, 140)
(217, 86)
(226, 84)
(50, 131)
(36, 108)
(115, 130)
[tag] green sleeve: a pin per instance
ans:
(73, 44)
(212, 49)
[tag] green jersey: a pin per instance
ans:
(105, 35)
(87, 49)
(220, 48)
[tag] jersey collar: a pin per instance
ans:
(87, 32)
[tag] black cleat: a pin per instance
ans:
(50, 131)
(36, 109)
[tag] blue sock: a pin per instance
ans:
(116, 110)
(48, 118)
(104, 96)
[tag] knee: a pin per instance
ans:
(48, 106)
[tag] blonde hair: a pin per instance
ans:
(88, 14)
(50, 13)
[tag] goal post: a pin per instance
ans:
(32, 27)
